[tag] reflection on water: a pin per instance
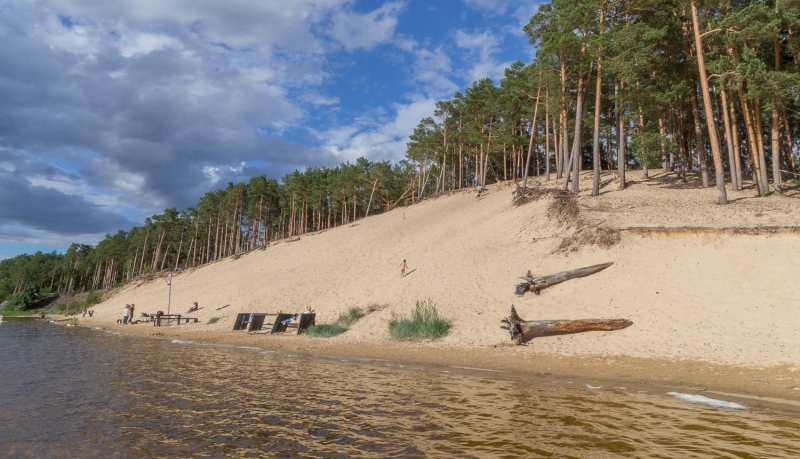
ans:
(75, 392)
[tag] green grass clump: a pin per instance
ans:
(345, 320)
(93, 298)
(213, 320)
(424, 323)
(325, 330)
(72, 321)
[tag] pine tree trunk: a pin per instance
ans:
(762, 159)
(547, 133)
(700, 146)
(722, 195)
(752, 143)
(622, 139)
(789, 144)
(597, 107)
(533, 134)
(775, 125)
(729, 140)
(737, 154)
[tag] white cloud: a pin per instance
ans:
(489, 7)
(379, 142)
(365, 31)
(481, 48)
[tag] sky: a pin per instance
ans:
(112, 111)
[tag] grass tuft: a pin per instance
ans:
(345, 320)
(72, 321)
(325, 330)
(424, 323)
(213, 320)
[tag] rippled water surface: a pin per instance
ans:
(74, 392)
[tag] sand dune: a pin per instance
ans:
(700, 296)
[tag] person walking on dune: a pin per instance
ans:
(403, 267)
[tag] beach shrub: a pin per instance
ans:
(345, 320)
(424, 323)
(27, 297)
(93, 298)
(213, 320)
(72, 321)
(325, 330)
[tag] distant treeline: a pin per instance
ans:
(694, 87)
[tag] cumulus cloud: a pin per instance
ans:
(483, 46)
(365, 31)
(384, 139)
(143, 98)
(490, 7)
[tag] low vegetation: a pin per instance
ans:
(424, 323)
(73, 304)
(601, 236)
(345, 320)
(213, 320)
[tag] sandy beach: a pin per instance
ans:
(711, 290)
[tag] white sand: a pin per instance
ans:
(719, 298)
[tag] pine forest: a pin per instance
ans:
(707, 90)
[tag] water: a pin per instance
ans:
(73, 392)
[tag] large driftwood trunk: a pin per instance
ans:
(523, 330)
(534, 284)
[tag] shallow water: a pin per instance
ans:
(76, 392)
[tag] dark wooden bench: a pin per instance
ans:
(253, 322)
(293, 326)
(169, 318)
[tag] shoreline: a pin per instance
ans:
(768, 387)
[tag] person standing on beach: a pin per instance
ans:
(403, 267)
(126, 314)
(130, 318)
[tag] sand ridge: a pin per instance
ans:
(705, 297)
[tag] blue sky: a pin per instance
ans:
(112, 111)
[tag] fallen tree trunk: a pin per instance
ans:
(534, 284)
(523, 330)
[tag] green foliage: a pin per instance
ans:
(93, 298)
(213, 320)
(646, 146)
(72, 321)
(325, 330)
(350, 316)
(424, 323)
(27, 296)
(345, 320)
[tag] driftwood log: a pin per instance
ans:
(523, 330)
(534, 284)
